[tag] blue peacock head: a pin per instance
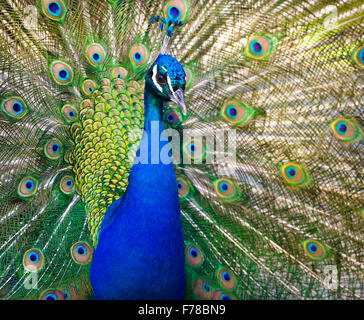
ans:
(166, 78)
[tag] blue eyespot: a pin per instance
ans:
(312, 248)
(193, 252)
(192, 147)
(91, 89)
(69, 183)
(194, 256)
(179, 186)
(226, 276)
(119, 75)
(81, 250)
(96, 57)
(137, 57)
(170, 118)
(174, 13)
(291, 172)
(225, 297)
(223, 186)
(51, 296)
(54, 9)
(232, 112)
(206, 287)
(56, 147)
(33, 257)
(67, 294)
(64, 74)
(341, 127)
(81, 253)
(256, 47)
(29, 185)
(18, 107)
(71, 114)
(361, 55)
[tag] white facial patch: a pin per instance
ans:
(155, 80)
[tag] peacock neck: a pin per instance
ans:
(150, 175)
(153, 107)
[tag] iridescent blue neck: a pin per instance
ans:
(141, 236)
(151, 168)
(153, 107)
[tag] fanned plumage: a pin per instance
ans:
(285, 76)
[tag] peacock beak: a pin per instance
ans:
(178, 97)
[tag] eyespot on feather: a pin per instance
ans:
(259, 47)
(69, 113)
(194, 149)
(176, 10)
(27, 187)
(194, 255)
(237, 113)
(226, 278)
(52, 294)
(138, 55)
(358, 56)
(70, 293)
(53, 149)
(202, 289)
(226, 188)
(172, 117)
(294, 174)
(89, 86)
(67, 184)
(314, 249)
(346, 130)
(54, 9)
(33, 260)
(183, 186)
(61, 72)
(81, 252)
(222, 295)
(95, 54)
(66, 293)
(79, 291)
(119, 73)
(14, 107)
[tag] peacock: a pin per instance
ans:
(181, 149)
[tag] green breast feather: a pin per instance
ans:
(105, 144)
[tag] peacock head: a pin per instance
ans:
(166, 78)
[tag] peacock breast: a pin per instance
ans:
(104, 143)
(143, 244)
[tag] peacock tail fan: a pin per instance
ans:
(280, 217)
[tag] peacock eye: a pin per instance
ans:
(52, 294)
(194, 255)
(33, 260)
(161, 79)
(226, 278)
(81, 253)
(222, 295)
